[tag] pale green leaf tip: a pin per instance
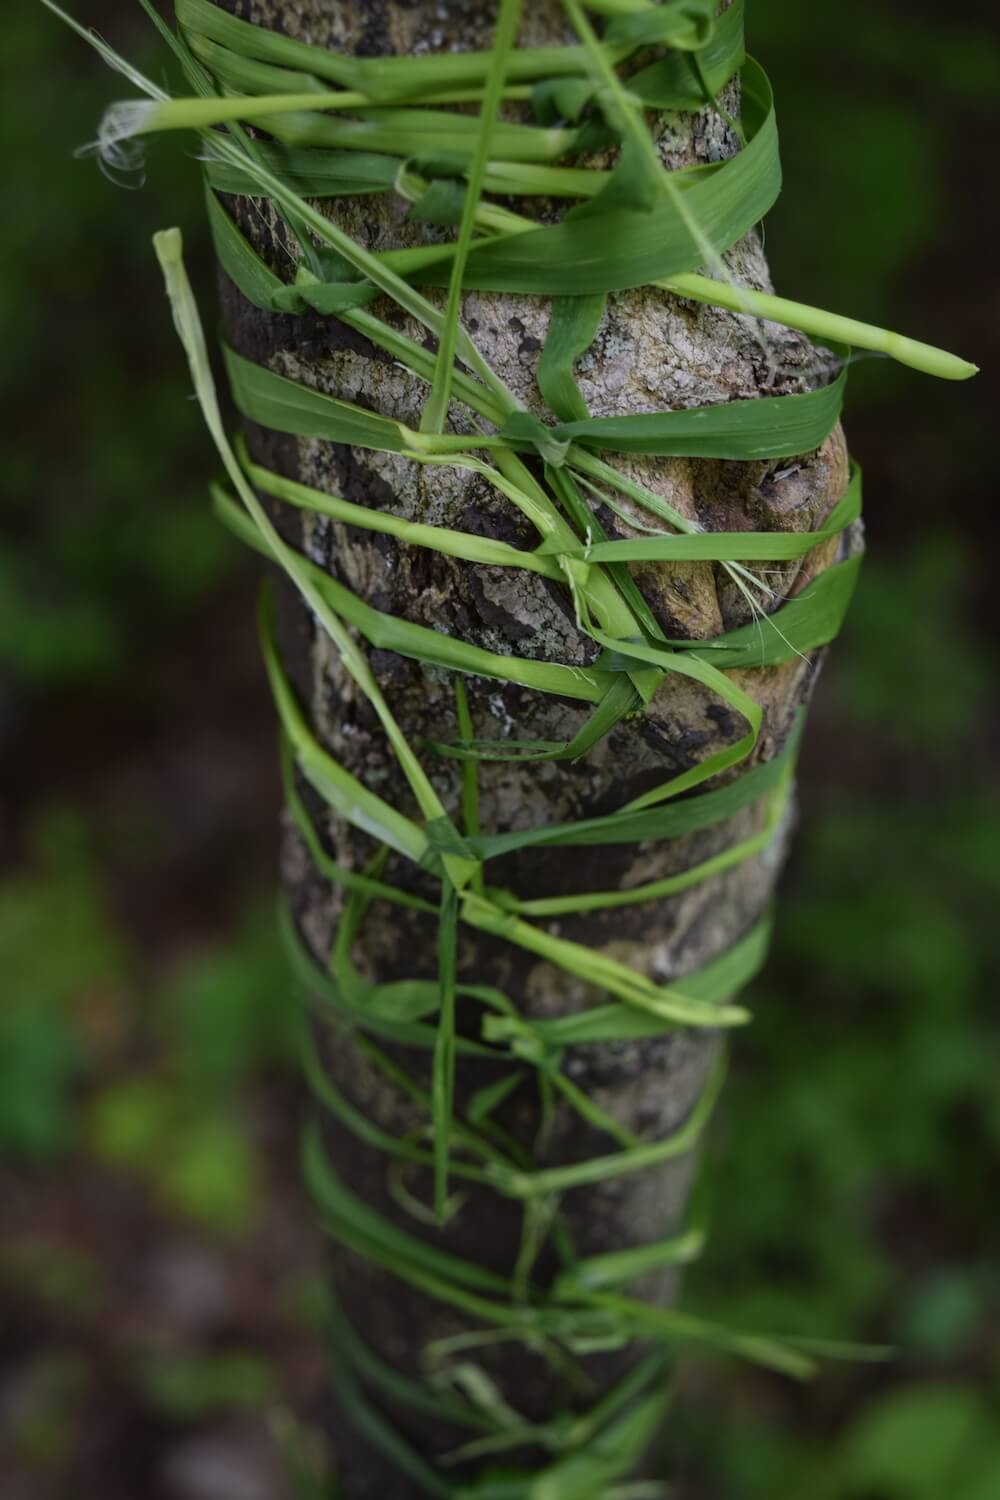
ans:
(169, 246)
(942, 364)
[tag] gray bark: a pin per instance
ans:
(652, 352)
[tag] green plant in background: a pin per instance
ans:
(42, 1053)
(184, 1388)
(864, 1198)
(77, 1013)
(856, 1086)
(45, 1426)
(97, 539)
(911, 1443)
(219, 1020)
(70, 1006)
(920, 1443)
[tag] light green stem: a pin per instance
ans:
(821, 325)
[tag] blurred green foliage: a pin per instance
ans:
(185, 1388)
(913, 1442)
(215, 1020)
(856, 1176)
(857, 1152)
(106, 528)
(194, 1152)
(922, 1442)
(864, 95)
(41, 1051)
(63, 1280)
(46, 1418)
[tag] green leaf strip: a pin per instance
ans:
(767, 427)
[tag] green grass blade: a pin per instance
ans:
(436, 409)
(443, 1077)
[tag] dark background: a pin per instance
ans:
(158, 1273)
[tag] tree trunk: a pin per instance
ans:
(652, 352)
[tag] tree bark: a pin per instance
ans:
(651, 352)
